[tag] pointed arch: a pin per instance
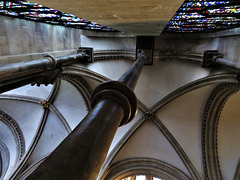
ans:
(4, 159)
(147, 166)
(214, 79)
(16, 131)
(211, 117)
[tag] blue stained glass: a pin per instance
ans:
(192, 16)
(205, 16)
(37, 12)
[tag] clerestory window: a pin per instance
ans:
(205, 16)
(36, 12)
(141, 177)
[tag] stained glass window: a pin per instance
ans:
(37, 12)
(205, 16)
(192, 16)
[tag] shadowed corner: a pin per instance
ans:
(149, 28)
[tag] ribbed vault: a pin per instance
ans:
(174, 111)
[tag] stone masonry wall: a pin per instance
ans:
(22, 40)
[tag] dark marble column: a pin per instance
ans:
(81, 155)
(42, 71)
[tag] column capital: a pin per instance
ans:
(120, 93)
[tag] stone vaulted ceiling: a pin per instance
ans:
(173, 134)
(187, 126)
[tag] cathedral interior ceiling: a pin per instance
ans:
(156, 116)
(191, 112)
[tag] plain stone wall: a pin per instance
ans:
(109, 43)
(230, 47)
(226, 42)
(186, 43)
(21, 38)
